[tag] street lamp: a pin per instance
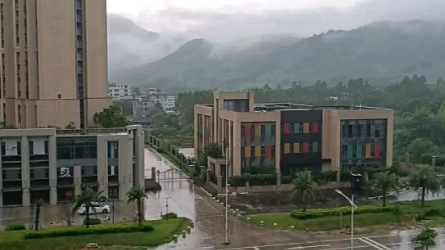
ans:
(226, 242)
(351, 201)
(166, 207)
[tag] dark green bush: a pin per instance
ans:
(254, 180)
(318, 213)
(15, 227)
(93, 221)
(75, 231)
(169, 216)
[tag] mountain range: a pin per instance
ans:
(385, 49)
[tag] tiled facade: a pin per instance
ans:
(53, 68)
(293, 137)
(53, 165)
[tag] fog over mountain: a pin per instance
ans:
(243, 31)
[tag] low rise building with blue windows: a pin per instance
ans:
(53, 164)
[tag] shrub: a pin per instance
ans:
(75, 231)
(318, 213)
(169, 216)
(15, 227)
(93, 221)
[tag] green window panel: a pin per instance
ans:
(350, 150)
(268, 129)
(359, 151)
(297, 128)
(315, 147)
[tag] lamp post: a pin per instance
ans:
(166, 207)
(351, 201)
(226, 242)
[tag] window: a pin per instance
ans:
(113, 150)
(263, 130)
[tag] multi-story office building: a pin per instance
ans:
(53, 165)
(119, 92)
(292, 137)
(53, 62)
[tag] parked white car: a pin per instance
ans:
(97, 208)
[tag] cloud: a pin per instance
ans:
(231, 22)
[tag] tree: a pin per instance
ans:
(213, 150)
(137, 194)
(398, 213)
(426, 180)
(304, 187)
(137, 91)
(87, 197)
(386, 181)
(111, 117)
(426, 238)
(38, 205)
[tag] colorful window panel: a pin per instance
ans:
(359, 151)
(258, 151)
(287, 129)
(286, 148)
(268, 131)
(247, 152)
(376, 151)
(315, 146)
(248, 131)
(268, 152)
(315, 128)
(296, 148)
(306, 128)
(368, 151)
(296, 128)
(258, 131)
(306, 147)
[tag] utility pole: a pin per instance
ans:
(166, 207)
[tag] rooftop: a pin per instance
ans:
(293, 106)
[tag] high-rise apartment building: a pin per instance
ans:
(53, 62)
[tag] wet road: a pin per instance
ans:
(189, 201)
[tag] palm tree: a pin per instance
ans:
(425, 179)
(426, 238)
(386, 181)
(137, 194)
(87, 197)
(304, 186)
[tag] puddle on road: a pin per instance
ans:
(404, 239)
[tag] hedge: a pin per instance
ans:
(169, 216)
(93, 221)
(15, 227)
(75, 231)
(318, 213)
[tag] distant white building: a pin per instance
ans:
(120, 92)
(156, 96)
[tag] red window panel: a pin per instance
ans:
(376, 150)
(315, 128)
(268, 152)
(206, 141)
(248, 131)
(287, 128)
(305, 147)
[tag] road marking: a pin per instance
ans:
(374, 244)
(256, 248)
(305, 247)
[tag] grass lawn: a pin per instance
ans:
(163, 232)
(410, 209)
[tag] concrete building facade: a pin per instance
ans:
(53, 165)
(292, 137)
(53, 62)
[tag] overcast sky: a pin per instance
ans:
(218, 18)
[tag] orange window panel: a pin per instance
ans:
(368, 151)
(258, 130)
(297, 148)
(247, 152)
(306, 128)
(286, 148)
(257, 151)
